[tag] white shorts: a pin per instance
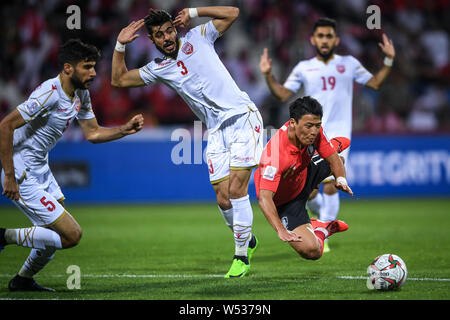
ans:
(236, 145)
(39, 195)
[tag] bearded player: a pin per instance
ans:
(27, 134)
(328, 77)
(191, 67)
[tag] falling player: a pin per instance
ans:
(329, 77)
(27, 134)
(190, 66)
(289, 172)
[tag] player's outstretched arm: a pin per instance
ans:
(265, 66)
(387, 47)
(97, 134)
(338, 171)
(223, 17)
(11, 122)
(269, 209)
(120, 76)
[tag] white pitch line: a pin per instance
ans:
(214, 276)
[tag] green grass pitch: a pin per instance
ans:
(181, 252)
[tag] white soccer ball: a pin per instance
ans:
(387, 272)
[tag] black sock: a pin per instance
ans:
(252, 242)
(242, 258)
(2, 237)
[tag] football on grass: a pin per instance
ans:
(387, 272)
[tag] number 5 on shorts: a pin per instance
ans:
(46, 203)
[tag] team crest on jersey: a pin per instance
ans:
(187, 48)
(340, 68)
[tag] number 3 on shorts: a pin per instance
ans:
(46, 203)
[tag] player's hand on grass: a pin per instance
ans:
(286, 235)
(387, 47)
(183, 19)
(128, 34)
(265, 63)
(134, 125)
(10, 188)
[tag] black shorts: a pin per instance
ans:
(294, 213)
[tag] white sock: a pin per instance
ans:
(37, 260)
(242, 224)
(330, 207)
(228, 217)
(37, 238)
(315, 204)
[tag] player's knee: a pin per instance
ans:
(310, 253)
(224, 203)
(73, 237)
(237, 191)
(313, 194)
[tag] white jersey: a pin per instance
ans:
(332, 85)
(200, 78)
(47, 112)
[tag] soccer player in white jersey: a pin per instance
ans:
(27, 134)
(190, 66)
(328, 77)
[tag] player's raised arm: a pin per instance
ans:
(97, 134)
(120, 76)
(223, 17)
(388, 49)
(265, 66)
(270, 212)
(11, 122)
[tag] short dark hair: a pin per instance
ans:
(305, 105)
(74, 51)
(156, 18)
(325, 22)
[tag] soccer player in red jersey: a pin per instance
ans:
(290, 170)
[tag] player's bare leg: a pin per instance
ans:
(245, 242)
(310, 246)
(222, 190)
(64, 233)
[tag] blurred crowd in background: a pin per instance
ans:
(414, 98)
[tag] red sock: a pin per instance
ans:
(321, 237)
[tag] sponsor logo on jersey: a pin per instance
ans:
(340, 68)
(187, 48)
(164, 63)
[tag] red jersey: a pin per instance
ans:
(283, 166)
